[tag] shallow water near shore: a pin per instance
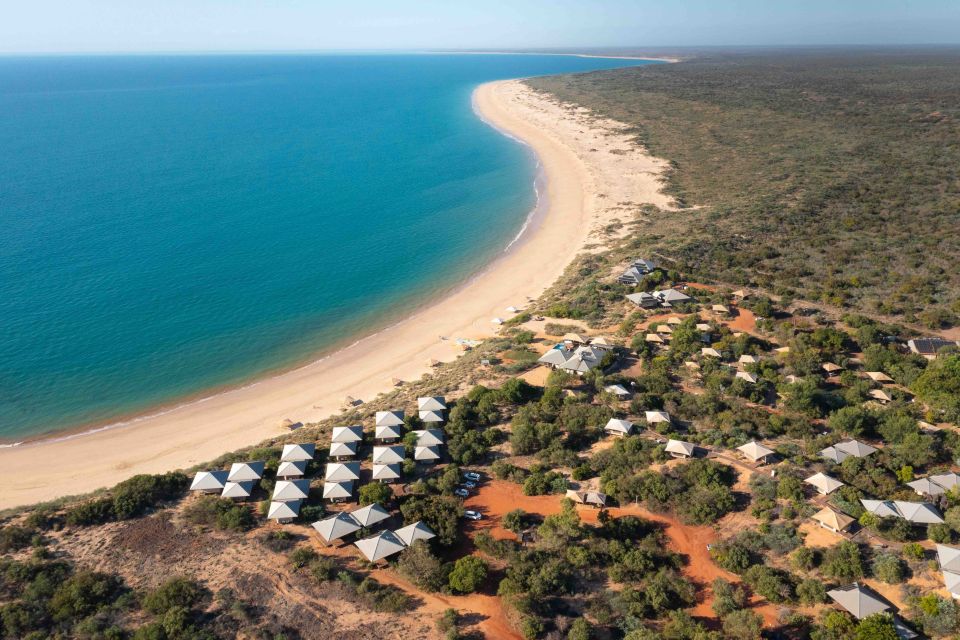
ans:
(179, 224)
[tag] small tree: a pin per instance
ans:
(888, 568)
(579, 630)
(515, 520)
(468, 574)
(375, 492)
(742, 625)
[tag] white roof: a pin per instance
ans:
(291, 469)
(949, 557)
(859, 601)
(347, 434)
(388, 432)
(343, 489)
(681, 447)
(343, 449)
(209, 481)
(370, 514)
(918, 512)
(615, 425)
(709, 351)
(617, 389)
(754, 450)
(389, 418)
(882, 508)
(748, 359)
(640, 298)
(338, 471)
(430, 416)
(413, 532)
(426, 453)
(951, 581)
(336, 526)
(878, 376)
(834, 454)
(283, 510)
(386, 471)
(298, 452)
(429, 437)
(388, 455)
(380, 546)
(671, 295)
(287, 490)
(824, 483)
(855, 448)
(880, 394)
(556, 356)
(926, 487)
(237, 489)
(435, 403)
(657, 416)
(746, 375)
(245, 471)
(946, 480)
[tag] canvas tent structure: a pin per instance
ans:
(755, 452)
(946, 480)
(680, 449)
(859, 601)
(832, 520)
(948, 557)
(284, 512)
(843, 450)
(433, 403)
(298, 452)
(370, 515)
(341, 450)
(880, 396)
(386, 472)
(338, 491)
(336, 527)
(295, 469)
(347, 434)
(388, 455)
(389, 418)
(383, 545)
(388, 433)
(746, 376)
(289, 490)
(340, 471)
(918, 512)
(593, 498)
(426, 454)
(824, 484)
(710, 352)
(237, 490)
(209, 481)
(926, 487)
(413, 532)
(654, 417)
(429, 437)
(245, 471)
(618, 390)
(878, 376)
(618, 427)
(880, 508)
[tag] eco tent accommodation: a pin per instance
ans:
(341, 450)
(388, 455)
(389, 418)
(426, 454)
(298, 452)
(339, 471)
(654, 417)
(413, 532)
(289, 490)
(823, 483)
(746, 376)
(878, 376)
(431, 408)
(347, 434)
(293, 469)
(949, 560)
(843, 450)
(334, 491)
(618, 427)
(336, 527)
(245, 471)
(918, 512)
(594, 498)
(209, 481)
(388, 433)
(926, 487)
(832, 520)
(429, 437)
(383, 545)
(618, 390)
(237, 490)
(755, 452)
(680, 449)
(284, 512)
(370, 515)
(859, 601)
(880, 396)
(386, 472)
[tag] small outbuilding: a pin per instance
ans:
(389, 418)
(347, 434)
(290, 490)
(303, 452)
(388, 455)
(387, 434)
(294, 469)
(756, 452)
(209, 481)
(336, 527)
(824, 484)
(237, 490)
(370, 515)
(653, 417)
(413, 532)
(342, 450)
(386, 472)
(833, 520)
(245, 471)
(383, 545)
(426, 454)
(429, 437)
(340, 471)
(618, 427)
(859, 601)
(284, 512)
(680, 449)
(338, 491)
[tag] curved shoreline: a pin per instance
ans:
(193, 433)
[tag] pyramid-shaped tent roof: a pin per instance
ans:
(388, 432)
(337, 490)
(754, 450)
(881, 508)
(347, 434)
(859, 601)
(435, 403)
(926, 487)
(389, 418)
(287, 490)
(298, 452)
(337, 471)
(824, 483)
(657, 416)
(245, 471)
(918, 512)
(383, 545)
(292, 469)
(681, 447)
(209, 481)
(336, 526)
(343, 449)
(386, 471)
(237, 489)
(615, 425)
(833, 519)
(856, 448)
(949, 558)
(284, 510)
(426, 453)
(370, 514)
(946, 480)
(429, 437)
(388, 455)
(413, 532)
(430, 416)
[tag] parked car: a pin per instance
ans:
(469, 485)
(463, 493)
(472, 476)
(473, 515)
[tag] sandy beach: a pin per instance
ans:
(591, 169)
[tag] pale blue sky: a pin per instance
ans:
(28, 26)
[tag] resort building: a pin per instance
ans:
(370, 515)
(343, 450)
(298, 452)
(347, 435)
(338, 491)
(831, 368)
(643, 300)
(654, 417)
(593, 498)
(245, 471)
(824, 484)
(833, 520)
(618, 427)
(387, 434)
(426, 454)
(431, 409)
(383, 545)
(913, 512)
(238, 490)
(710, 352)
(755, 452)
(929, 348)
(429, 437)
(653, 338)
(413, 532)
(284, 512)
(859, 601)
(946, 480)
(927, 487)
(746, 376)
(680, 449)
(949, 559)
(295, 469)
(878, 376)
(209, 481)
(748, 359)
(289, 490)
(880, 396)
(336, 527)
(388, 455)
(386, 472)
(618, 390)
(851, 448)
(674, 320)
(389, 418)
(339, 471)
(720, 309)
(670, 297)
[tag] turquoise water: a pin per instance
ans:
(170, 225)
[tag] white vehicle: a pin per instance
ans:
(472, 515)
(472, 476)
(463, 493)
(469, 485)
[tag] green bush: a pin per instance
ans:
(175, 593)
(468, 574)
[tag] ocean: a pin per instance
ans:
(171, 225)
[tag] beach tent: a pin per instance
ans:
(618, 427)
(654, 338)
(386, 472)
(918, 512)
(878, 376)
(245, 471)
(948, 557)
(951, 581)
(431, 416)
(370, 515)
(429, 437)
(284, 512)
(434, 403)
(383, 545)
(880, 395)
(680, 449)
(388, 455)
(747, 376)
(209, 481)
(338, 490)
(343, 449)
(824, 483)
(881, 508)
(336, 526)
(387, 433)
(618, 390)
(298, 452)
(755, 452)
(858, 600)
(654, 417)
(426, 454)
(237, 490)
(389, 418)
(832, 520)
(337, 471)
(413, 532)
(710, 352)
(347, 434)
(926, 487)
(748, 359)
(856, 448)
(289, 490)
(292, 469)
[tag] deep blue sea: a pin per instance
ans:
(170, 225)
